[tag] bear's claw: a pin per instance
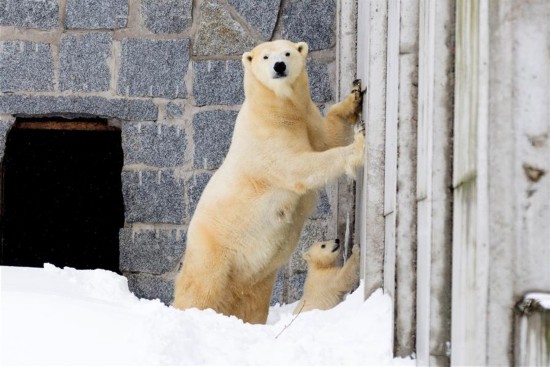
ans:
(360, 127)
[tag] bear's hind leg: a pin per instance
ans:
(203, 280)
(252, 306)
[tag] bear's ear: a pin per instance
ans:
(306, 256)
(302, 48)
(247, 58)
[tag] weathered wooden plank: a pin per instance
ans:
(390, 174)
(470, 224)
(346, 71)
(531, 114)
(372, 19)
(502, 192)
(441, 180)
(405, 235)
(66, 125)
(424, 166)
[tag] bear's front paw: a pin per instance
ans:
(360, 127)
(357, 94)
(355, 250)
(356, 158)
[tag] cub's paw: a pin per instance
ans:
(355, 250)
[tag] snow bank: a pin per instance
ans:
(69, 317)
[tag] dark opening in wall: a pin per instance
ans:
(61, 194)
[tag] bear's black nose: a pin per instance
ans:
(279, 67)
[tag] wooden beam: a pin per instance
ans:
(65, 125)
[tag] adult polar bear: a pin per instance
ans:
(250, 216)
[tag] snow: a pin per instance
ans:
(55, 316)
(543, 299)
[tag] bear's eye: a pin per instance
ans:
(287, 54)
(323, 246)
(265, 57)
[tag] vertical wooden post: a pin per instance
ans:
(371, 68)
(470, 183)
(390, 174)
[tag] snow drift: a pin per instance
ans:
(68, 317)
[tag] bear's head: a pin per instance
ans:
(323, 254)
(279, 66)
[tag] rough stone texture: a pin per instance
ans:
(25, 66)
(150, 251)
(120, 108)
(153, 144)
(153, 68)
(218, 82)
(261, 15)
(152, 197)
(96, 14)
(323, 209)
(6, 123)
(174, 110)
(218, 33)
(29, 13)
(310, 21)
(278, 289)
(319, 82)
(151, 287)
(195, 187)
(166, 16)
(84, 65)
(212, 136)
(296, 287)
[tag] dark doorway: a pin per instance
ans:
(61, 194)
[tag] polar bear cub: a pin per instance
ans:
(327, 283)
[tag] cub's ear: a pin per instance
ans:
(247, 58)
(306, 256)
(302, 48)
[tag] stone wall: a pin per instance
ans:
(169, 73)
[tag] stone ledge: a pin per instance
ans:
(119, 108)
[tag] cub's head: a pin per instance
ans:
(277, 65)
(323, 254)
